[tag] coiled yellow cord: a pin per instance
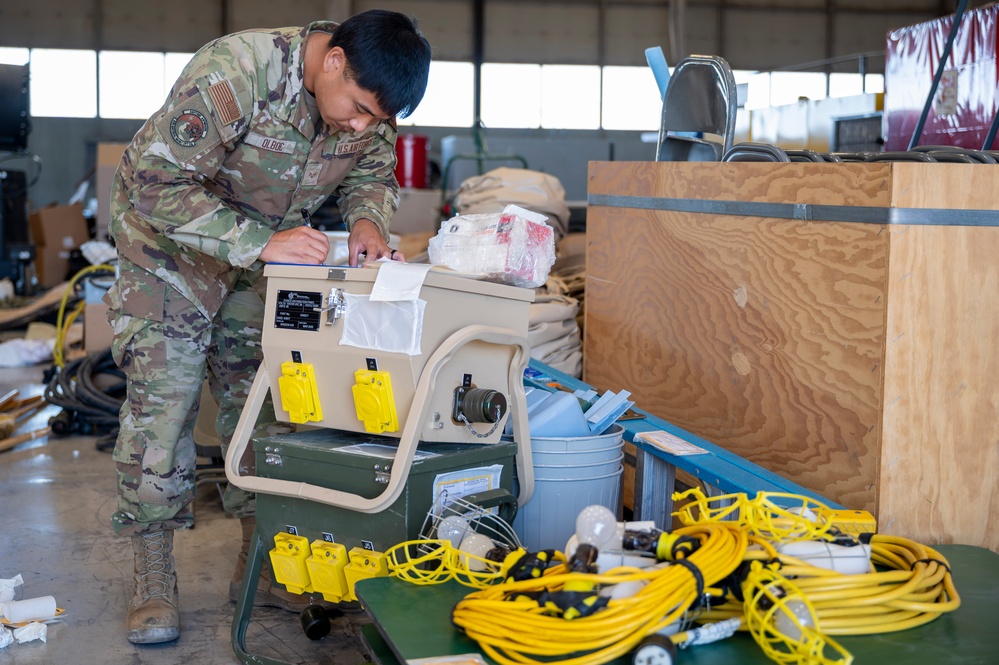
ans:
(510, 627)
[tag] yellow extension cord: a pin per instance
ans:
(790, 607)
(519, 631)
(62, 326)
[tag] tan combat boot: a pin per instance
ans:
(152, 613)
(269, 594)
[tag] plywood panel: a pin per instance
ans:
(856, 359)
(763, 336)
(940, 452)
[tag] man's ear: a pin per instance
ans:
(334, 60)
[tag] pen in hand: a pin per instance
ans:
(307, 218)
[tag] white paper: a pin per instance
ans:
(382, 451)
(29, 633)
(674, 445)
(456, 484)
(6, 637)
(529, 215)
(7, 588)
(394, 327)
(399, 281)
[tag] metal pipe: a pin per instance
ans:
(958, 15)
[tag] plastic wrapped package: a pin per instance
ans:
(514, 247)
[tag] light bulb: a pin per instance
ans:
(596, 525)
(453, 528)
(477, 545)
(623, 589)
(791, 627)
(855, 560)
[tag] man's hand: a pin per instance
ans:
(365, 238)
(302, 244)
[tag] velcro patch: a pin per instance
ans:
(352, 147)
(225, 103)
(267, 143)
(188, 128)
(311, 175)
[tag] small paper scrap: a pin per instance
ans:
(671, 443)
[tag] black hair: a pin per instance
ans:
(388, 56)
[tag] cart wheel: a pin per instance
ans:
(654, 650)
(314, 622)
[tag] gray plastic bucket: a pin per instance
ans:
(577, 471)
(549, 518)
(569, 474)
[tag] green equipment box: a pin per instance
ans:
(360, 464)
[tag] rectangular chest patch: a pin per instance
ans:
(311, 175)
(224, 101)
(266, 143)
(352, 148)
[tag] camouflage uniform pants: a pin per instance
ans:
(164, 345)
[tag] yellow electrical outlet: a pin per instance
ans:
(326, 570)
(299, 393)
(374, 402)
(853, 522)
(288, 562)
(363, 564)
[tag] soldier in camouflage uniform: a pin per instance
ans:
(261, 126)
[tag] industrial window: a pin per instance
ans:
(134, 84)
(63, 83)
(449, 96)
(13, 56)
(631, 99)
(570, 97)
(131, 84)
(511, 95)
(845, 85)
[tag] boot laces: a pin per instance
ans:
(156, 578)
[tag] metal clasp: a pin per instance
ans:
(335, 305)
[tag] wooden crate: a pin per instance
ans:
(857, 359)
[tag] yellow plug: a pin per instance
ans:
(363, 564)
(853, 522)
(299, 393)
(374, 401)
(326, 570)
(288, 562)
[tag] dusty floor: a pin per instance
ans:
(56, 497)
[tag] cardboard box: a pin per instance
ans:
(108, 157)
(55, 231)
(97, 332)
(419, 211)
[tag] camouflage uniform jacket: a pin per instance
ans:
(233, 156)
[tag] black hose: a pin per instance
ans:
(86, 409)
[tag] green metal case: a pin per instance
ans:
(360, 463)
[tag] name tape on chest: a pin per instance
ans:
(267, 143)
(351, 148)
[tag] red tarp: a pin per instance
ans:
(965, 101)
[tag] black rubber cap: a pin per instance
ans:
(314, 622)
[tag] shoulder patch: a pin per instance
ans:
(224, 100)
(188, 129)
(188, 126)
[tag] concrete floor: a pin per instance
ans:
(56, 498)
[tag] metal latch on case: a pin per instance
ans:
(335, 304)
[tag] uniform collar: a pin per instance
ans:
(295, 110)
